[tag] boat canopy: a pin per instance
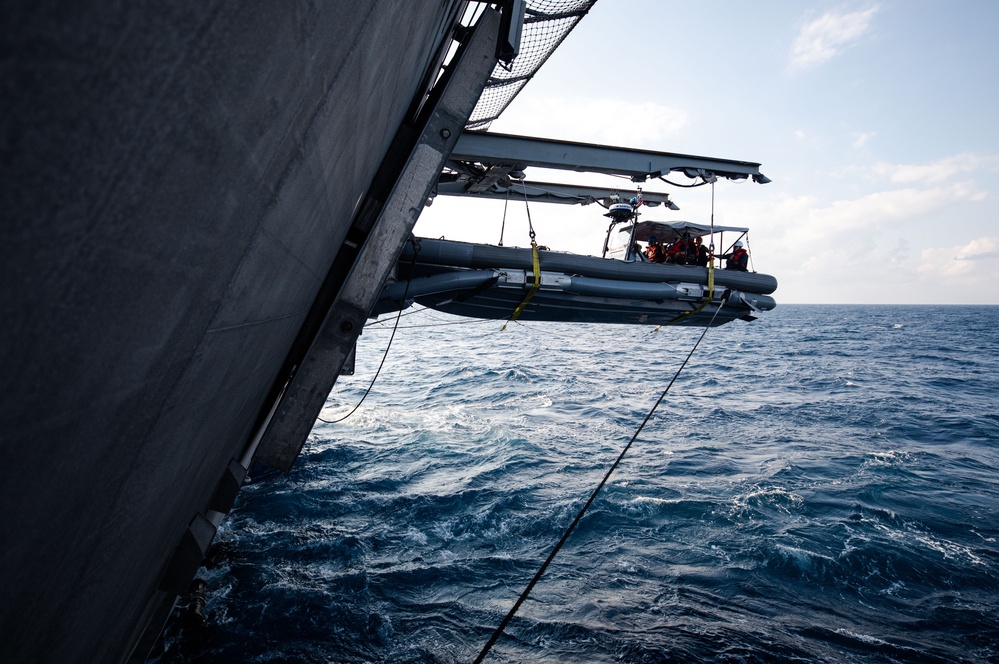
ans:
(670, 231)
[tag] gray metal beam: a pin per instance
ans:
(381, 227)
(639, 165)
(549, 192)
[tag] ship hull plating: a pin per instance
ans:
(177, 182)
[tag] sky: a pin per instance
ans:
(877, 122)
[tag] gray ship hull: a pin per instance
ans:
(179, 183)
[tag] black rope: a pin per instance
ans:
(373, 324)
(685, 186)
(527, 207)
(416, 252)
(551, 556)
(479, 321)
(503, 225)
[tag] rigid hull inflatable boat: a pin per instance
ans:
(485, 281)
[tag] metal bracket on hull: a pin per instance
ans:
(188, 555)
(511, 27)
(379, 231)
(227, 488)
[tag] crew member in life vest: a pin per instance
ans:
(677, 252)
(655, 252)
(697, 253)
(738, 259)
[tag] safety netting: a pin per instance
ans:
(546, 24)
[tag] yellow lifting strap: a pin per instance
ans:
(534, 288)
(707, 300)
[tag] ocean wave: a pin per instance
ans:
(819, 485)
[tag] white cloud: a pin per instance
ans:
(934, 172)
(824, 38)
(976, 255)
(610, 121)
(883, 246)
(835, 222)
(860, 139)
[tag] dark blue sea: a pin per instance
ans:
(820, 485)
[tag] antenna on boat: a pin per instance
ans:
(636, 203)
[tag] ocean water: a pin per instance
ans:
(820, 485)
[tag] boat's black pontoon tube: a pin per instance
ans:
(481, 256)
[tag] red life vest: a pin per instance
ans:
(739, 260)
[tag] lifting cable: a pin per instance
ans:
(551, 556)
(537, 265)
(448, 323)
(503, 224)
(416, 252)
(711, 271)
(374, 323)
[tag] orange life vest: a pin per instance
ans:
(739, 260)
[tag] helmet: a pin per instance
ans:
(738, 245)
(652, 239)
